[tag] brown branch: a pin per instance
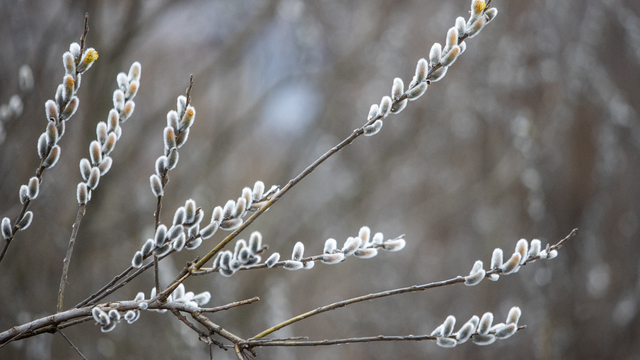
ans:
(67, 258)
(263, 343)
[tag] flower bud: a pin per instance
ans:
(51, 110)
(385, 107)
(485, 323)
(23, 194)
(33, 187)
(52, 158)
(496, 258)
(88, 58)
(334, 258)
(397, 89)
(169, 138)
(188, 119)
(452, 39)
(522, 248)
(148, 247)
(94, 178)
(373, 112)
(451, 56)
(136, 262)
(156, 185)
(7, 230)
(435, 54)
(24, 223)
(373, 129)
(272, 260)
(421, 70)
(512, 265)
(298, 251)
(330, 246)
(415, 92)
(258, 190)
(82, 193)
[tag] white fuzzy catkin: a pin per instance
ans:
(514, 315)
(496, 258)
(298, 251)
(512, 265)
(272, 260)
(373, 129)
(330, 246)
(485, 323)
(522, 248)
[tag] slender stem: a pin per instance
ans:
(262, 343)
(155, 257)
(67, 258)
(71, 344)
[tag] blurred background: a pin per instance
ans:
(533, 132)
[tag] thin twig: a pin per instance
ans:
(71, 344)
(216, 328)
(67, 258)
(189, 324)
(263, 343)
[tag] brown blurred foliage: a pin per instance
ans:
(534, 131)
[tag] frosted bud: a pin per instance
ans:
(514, 315)
(490, 14)
(496, 258)
(332, 258)
(100, 316)
(435, 54)
(477, 266)
(209, 230)
(175, 231)
(463, 47)
(163, 250)
(373, 112)
(366, 253)
(451, 56)
(131, 316)
(217, 215)
(23, 194)
(293, 265)
(272, 260)
(188, 119)
(438, 74)
(67, 88)
(229, 209)
(447, 326)
(485, 323)
(7, 231)
(476, 26)
(51, 110)
(394, 245)
(398, 107)
(147, 247)
(156, 185)
(552, 254)
(397, 89)
(512, 265)
(190, 211)
(421, 70)
(113, 120)
(240, 244)
(25, 221)
(161, 235)
(506, 331)
(483, 340)
(522, 248)
(33, 188)
(172, 159)
(52, 134)
(136, 262)
(52, 158)
(385, 107)
(128, 109)
(70, 108)
(94, 178)
(203, 298)
(118, 100)
(88, 58)
(82, 193)
(172, 119)
(373, 129)
(74, 48)
(365, 234)
(351, 245)
(231, 224)
(330, 246)
(110, 143)
(255, 242)
(258, 190)
(474, 278)
(377, 238)
(95, 152)
(534, 249)
(298, 251)
(446, 342)
(132, 89)
(244, 255)
(161, 165)
(123, 81)
(135, 71)
(452, 39)
(241, 206)
(181, 104)
(101, 132)
(182, 137)
(247, 194)
(465, 333)
(461, 25)
(415, 92)
(178, 244)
